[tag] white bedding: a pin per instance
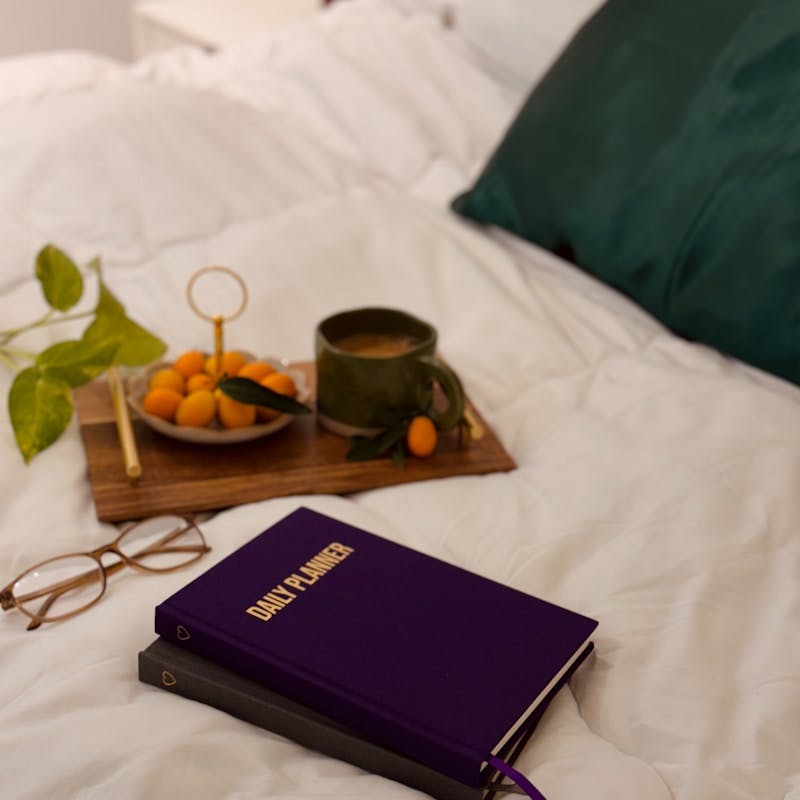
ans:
(657, 480)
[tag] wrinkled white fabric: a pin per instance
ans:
(656, 480)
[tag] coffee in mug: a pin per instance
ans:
(375, 362)
(377, 345)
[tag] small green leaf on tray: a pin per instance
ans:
(61, 280)
(40, 407)
(363, 448)
(398, 455)
(246, 391)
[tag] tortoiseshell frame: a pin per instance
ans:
(9, 601)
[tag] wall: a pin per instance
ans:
(35, 25)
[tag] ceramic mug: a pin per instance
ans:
(375, 362)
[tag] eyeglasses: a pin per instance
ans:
(64, 586)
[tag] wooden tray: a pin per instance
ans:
(303, 458)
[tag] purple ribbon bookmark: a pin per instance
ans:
(517, 777)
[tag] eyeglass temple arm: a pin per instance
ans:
(37, 621)
(53, 593)
(158, 547)
(168, 537)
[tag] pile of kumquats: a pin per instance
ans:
(185, 392)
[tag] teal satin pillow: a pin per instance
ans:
(661, 153)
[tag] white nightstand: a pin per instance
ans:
(158, 25)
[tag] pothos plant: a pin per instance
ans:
(40, 401)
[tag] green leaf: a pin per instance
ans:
(398, 456)
(40, 407)
(135, 345)
(246, 391)
(363, 448)
(77, 362)
(61, 280)
(107, 303)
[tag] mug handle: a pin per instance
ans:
(454, 392)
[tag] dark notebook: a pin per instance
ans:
(181, 672)
(383, 639)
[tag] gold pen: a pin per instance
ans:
(133, 469)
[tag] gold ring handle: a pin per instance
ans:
(218, 320)
(215, 317)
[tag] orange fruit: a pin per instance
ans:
(199, 381)
(166, 378)
(281, 383)
(232, 362)
(189, 363)
(233, 414)
(421, 437)
(255, 370)
(162, 402)
(197, 410)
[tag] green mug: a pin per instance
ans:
(376, 363)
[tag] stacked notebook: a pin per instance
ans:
(371, 652)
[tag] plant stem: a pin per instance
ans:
(7, 336)
(9, 356)
(17, 352)
(7, 360)
(47, 319)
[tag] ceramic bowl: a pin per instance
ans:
(215, 433)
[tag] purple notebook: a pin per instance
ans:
(421, 656)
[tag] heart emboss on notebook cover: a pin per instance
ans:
(168, 679)
(183, 634)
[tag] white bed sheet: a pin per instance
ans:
(656, 487)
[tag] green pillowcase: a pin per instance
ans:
(661, 153)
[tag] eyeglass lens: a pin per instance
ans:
(162, 543)
(60, 587)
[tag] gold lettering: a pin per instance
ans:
(311, 572)
(321, 565)
(325, 557)
(273, 598)
(267, 606)
(285, 593)
(307, 575)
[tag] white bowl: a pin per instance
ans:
(214, 433)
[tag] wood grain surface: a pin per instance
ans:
(303, 458)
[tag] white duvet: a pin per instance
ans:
(657, 481)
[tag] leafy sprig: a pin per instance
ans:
(394, 424)
(247, 391)
(40, 401)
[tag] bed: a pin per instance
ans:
(656, 480)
